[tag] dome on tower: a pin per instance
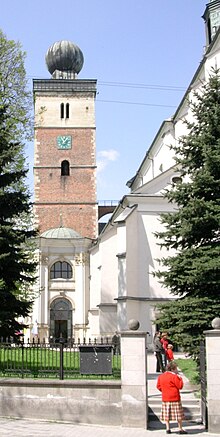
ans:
(64, 56)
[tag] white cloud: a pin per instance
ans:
(109, 155)
(104, 157)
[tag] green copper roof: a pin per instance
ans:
(61, 232)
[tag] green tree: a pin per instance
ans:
(185, 319)
(192, 272)
(14, 93)
(17, 264)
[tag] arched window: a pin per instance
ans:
(67, 110)
(65, 168)
(61, 269)
(62, 110)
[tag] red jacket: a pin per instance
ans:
(164, 342)
(169, 354)
(169, 384)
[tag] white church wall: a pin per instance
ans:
(159, 157)
(95, 276)
(143, 250)
(121, 258)
(80, 295)
(141, 288)
(163, 158)
(121, 238)
(104, 284)
(109, 267)
(151, 222)
(108, 320)
(133, 266)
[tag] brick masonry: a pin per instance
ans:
(65, 200)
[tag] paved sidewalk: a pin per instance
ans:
(34, 428)
(31, 428)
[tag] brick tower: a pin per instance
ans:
(65, 154)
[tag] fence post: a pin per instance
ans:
(134, 377)
(61, 357)
(213, 375)
(22, 359)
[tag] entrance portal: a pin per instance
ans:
(61, 329)
(60, 320)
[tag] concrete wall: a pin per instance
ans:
(88, 402)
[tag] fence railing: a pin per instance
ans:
(73, 360)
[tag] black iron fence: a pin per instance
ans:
(73, 360)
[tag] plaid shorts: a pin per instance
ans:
(172, 411)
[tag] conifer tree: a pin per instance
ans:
(17, 265)
(192, 272)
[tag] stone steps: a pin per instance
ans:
(191, 406)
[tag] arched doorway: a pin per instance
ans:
(60, 319)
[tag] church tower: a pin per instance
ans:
(65, 209)
(65, 155)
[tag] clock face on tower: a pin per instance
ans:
(64, 142)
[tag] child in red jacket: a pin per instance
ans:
(169, 352)
(170, 384)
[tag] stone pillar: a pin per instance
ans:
(134, 378)
(213, 376)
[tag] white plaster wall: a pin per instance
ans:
(142, 248)
(104, 285)
(109, 267)
(108, 320)
(47, 112)
(95, 276)
(93, 320)
(163, 158)
(151, 224)
(121, 238)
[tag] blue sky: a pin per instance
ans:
(143, 54)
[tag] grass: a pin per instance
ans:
(190, 369)
(45, 362)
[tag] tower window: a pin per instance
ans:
(62, 110)
(67, 110)
(61, 270)
(65, 168)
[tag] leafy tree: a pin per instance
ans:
(193, 272)
(17, 264)
(14, 93)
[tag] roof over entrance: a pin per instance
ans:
(61, 233)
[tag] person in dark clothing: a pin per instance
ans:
(116, 344)
(158, 351)
(165, 342)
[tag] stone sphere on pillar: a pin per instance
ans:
(216, 323)
(133, 324)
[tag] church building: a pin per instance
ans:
(91, 284)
